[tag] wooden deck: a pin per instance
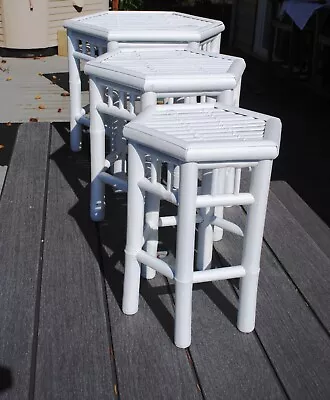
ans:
(63, 335)
(29, 89)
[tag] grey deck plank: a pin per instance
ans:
(21, 216)
(220, 354)
(73, 358)
(301, 257)
(229, 364)
(303, 260)
(149, 366)
(27, 89)
(307, 218)
(296, 343)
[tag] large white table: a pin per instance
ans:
(92, 35)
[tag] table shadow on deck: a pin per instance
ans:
(76, 341)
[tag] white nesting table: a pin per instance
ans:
(120, 77)
(92, 35)
(197, 137)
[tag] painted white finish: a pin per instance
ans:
(119, 77)
(96, 34)
(169, 71)
(146, 26)
(190, 135)
(155, 74)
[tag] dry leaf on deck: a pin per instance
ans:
(33, 120)
(9, 78)
(8, 123)
(65, 94)
(38, 97)
(42, 107)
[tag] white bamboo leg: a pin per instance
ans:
(205, 231)
(185, 254)
(220, 178)
(151, 218)
(215, 44)
(176, 177)
(226, 177)
(237, 94)
(111, 46)
(227, 97)
(259, 188)
(75, 93)
(119, 167)
(218, 212)
(134, 241)
(97, 148)
(186, 100)
(110, 124)
(194, 46)
(230, 180)
(152, 204)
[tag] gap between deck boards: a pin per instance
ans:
(63, 331)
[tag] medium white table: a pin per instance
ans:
(118, 78)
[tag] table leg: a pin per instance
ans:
(75, 93)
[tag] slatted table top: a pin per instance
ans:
(168, 70)
(206, 133)
(150, 26)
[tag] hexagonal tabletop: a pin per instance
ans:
(162, 71)
(206, 132)
(146, 26)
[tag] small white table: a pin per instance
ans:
(197, 137)
(93, 35)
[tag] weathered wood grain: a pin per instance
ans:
(300, 256)
(297, 345)
(21, 221)
(229, 364)
(148, 364)
(23, 88)
(73, 358)
(307, 218)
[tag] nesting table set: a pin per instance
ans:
(163, 97)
